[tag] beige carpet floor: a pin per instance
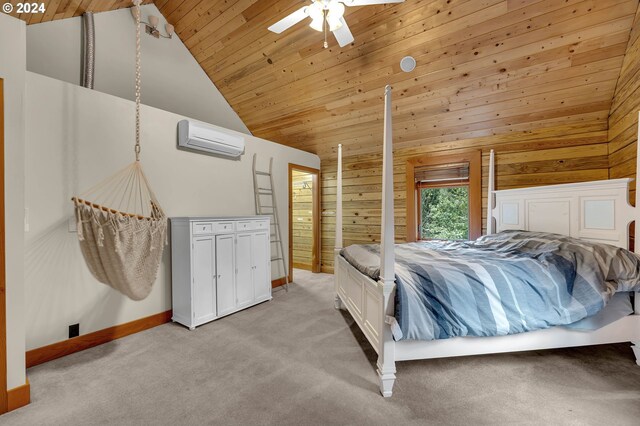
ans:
(297, 361)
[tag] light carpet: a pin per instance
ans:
(297, 361)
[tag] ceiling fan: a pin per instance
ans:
(326, 13)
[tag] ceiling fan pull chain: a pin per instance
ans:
(324, 12)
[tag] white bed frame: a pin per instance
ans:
(597, 211)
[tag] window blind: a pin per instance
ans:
(454, 172)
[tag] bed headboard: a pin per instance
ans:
(596, 211)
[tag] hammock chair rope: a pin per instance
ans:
(122, 229)
(137, 146)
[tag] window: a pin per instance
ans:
(444, 212)
(443, 197)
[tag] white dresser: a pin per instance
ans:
(218, 266)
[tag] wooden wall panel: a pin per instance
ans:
(538, 161)
(623, 117)
(302, 220)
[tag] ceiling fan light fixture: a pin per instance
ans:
(317, 24)
(334, 23)
(336, 9)
(316, 13)
(326, 15)
(335, 14)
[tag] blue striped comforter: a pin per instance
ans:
(500, 284)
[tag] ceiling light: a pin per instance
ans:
(334, 24)
(316, 13)
(336, 9)
(334, 17)
(316, 24)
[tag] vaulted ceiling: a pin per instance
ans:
(486, 68)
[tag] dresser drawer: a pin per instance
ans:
(252, 225)
(223, 227)
(245, 225)
(202, 228)
(261, 225)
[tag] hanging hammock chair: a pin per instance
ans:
(121, 228)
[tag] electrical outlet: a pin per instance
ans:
(74, 330)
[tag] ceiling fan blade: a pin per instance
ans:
(289, 21)
(343, 34)
(368, 2)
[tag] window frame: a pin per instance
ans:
(474, 158)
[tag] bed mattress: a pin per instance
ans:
(505, 283)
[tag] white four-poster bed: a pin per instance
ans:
(596, 211)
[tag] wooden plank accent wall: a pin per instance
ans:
(534, 160)
(302, 223)
(623, 118)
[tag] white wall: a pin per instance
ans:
(172, 79)
(77, 137)
(12, 70)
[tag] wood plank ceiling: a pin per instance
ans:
(486, 68)
(61, 9)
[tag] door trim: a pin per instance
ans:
(315, 217)
(4, 400)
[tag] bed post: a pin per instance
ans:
(386, 353)
(636, 239)
(338, 243)
(490, 195)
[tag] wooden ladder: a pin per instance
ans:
(269, 207)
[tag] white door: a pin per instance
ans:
(244, 277)
(261, 265)
(225, 265)
(204, 296)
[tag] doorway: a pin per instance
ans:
(304, 218)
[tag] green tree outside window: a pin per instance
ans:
(444, 213)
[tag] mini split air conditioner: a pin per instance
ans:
(201, 137)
